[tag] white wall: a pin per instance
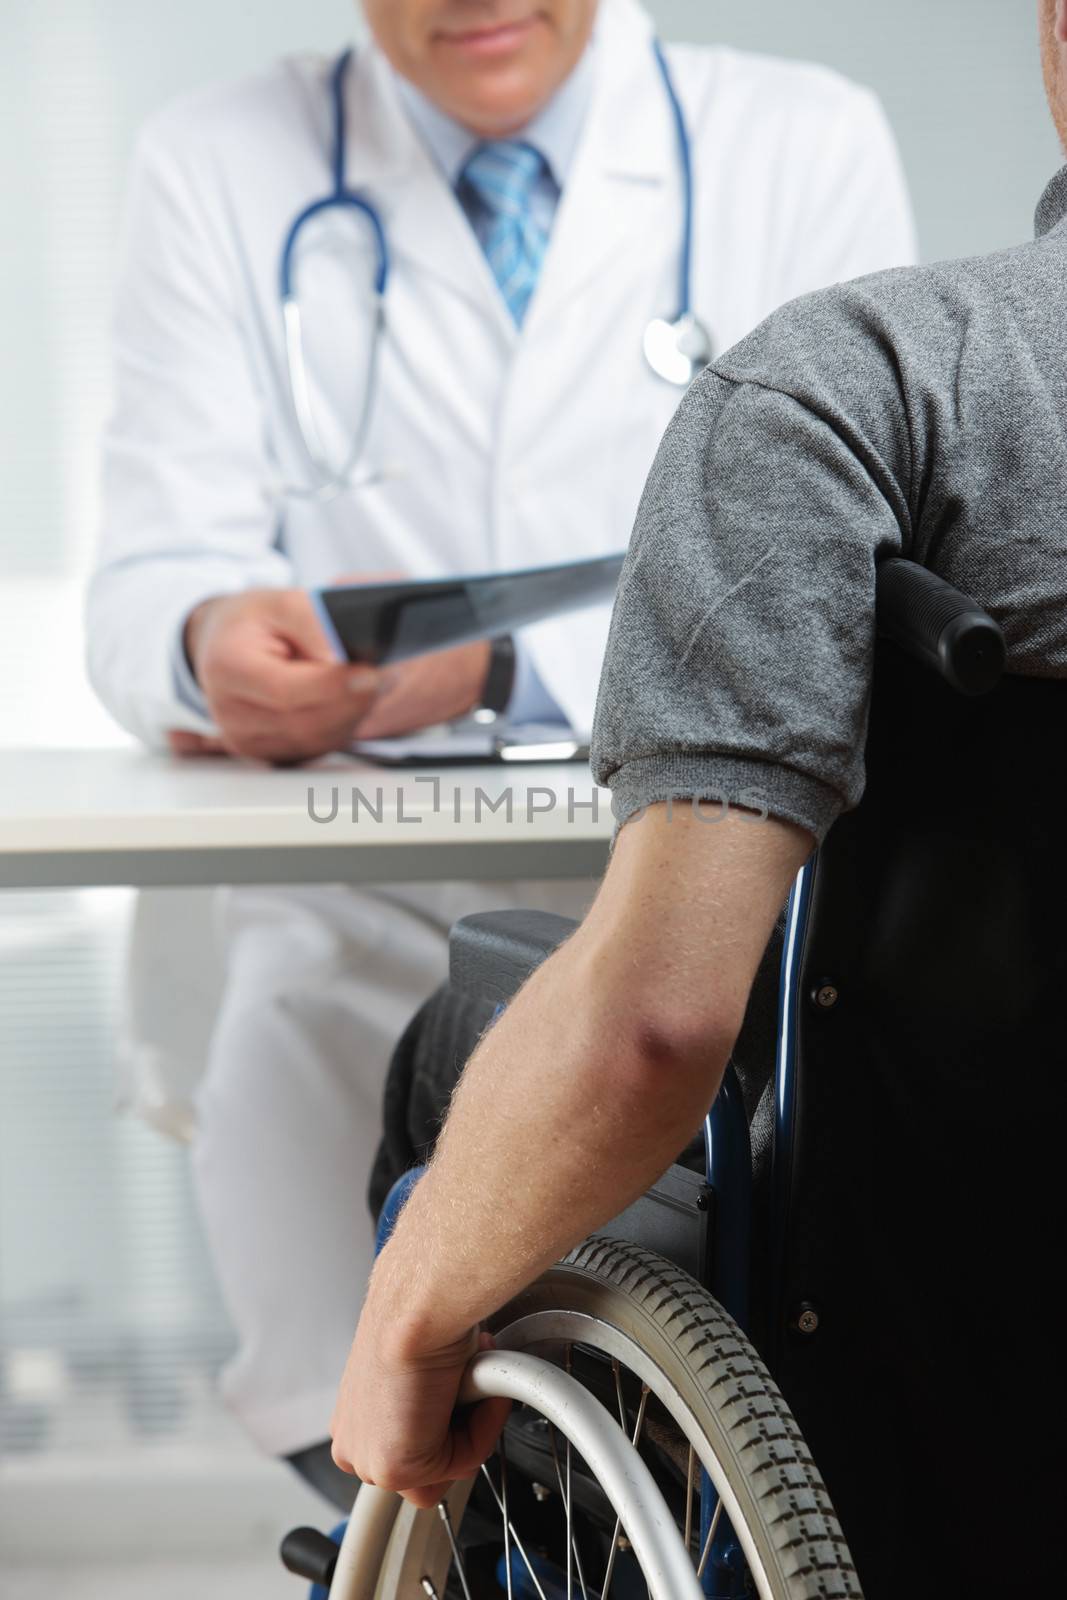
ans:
(961, 80)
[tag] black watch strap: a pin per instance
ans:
(500, 679)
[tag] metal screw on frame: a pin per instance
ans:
(807, 1318)
(825, 996)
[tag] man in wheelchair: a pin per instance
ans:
(917, 414)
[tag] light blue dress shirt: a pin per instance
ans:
(554, 132)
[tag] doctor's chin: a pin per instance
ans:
(531, 874)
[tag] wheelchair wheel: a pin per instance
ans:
(661, 1358)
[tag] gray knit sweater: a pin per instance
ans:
(918, 412)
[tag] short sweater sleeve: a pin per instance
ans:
(739, 662)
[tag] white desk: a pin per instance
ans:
(126, 817)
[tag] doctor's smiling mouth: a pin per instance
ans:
(491, 64)
(498, 39)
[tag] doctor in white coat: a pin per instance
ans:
(512, 422)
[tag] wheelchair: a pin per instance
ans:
(877, 1222)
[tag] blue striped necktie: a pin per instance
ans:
(502, 176)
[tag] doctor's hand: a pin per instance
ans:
(430, 689)
(274, 688)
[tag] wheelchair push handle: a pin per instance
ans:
(939, 626)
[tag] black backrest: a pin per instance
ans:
(925, 1203)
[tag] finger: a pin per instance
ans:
(475, 1435)
(315, 733)
(309, 729)
(300, 632)
(232, 708)
(183, 742)
(276, 681)
(295, 620)
(366, 685)
(427, 1498)
(398, 708)
(304, 687)
(351, 579)
(284, 739)
(277, 652)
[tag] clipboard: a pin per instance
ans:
(469, 745)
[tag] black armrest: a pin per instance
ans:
(939, 626)
(492, 954)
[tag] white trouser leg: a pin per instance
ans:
(320, 984)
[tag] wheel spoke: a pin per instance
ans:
(688, 1498)
(570, 1518)
(564, 1493)
(705, 1553)
(570, 1530)
(565, 1485)
(504, 1512)
(442, 1512)
(518, 1542)
(606, 1586)
(645, 1392)
(620, 1402)
(634, 1441)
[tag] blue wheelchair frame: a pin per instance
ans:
(728, 1164)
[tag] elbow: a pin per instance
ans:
(667, 1043)
(665, 1076)
(104, 671)
(653, 1039)
(661, 1036)
(675, 1059)
(116, 686)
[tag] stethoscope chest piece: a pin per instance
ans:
(678, 351)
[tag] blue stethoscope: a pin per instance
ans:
(676, 348)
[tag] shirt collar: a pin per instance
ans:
(554, 131)
(1052, 210)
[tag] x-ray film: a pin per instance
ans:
(383, 622)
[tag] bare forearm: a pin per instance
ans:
(562, 1119)
(573, 1103)
(597, 1075)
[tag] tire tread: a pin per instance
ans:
(790, 1496)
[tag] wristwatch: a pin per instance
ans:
(499, 680)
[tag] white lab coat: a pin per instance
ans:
(498, 448)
